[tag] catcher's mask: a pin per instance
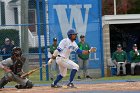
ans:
(16, 52)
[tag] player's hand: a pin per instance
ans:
(92, 49)
(50, 61)
(85, 52)
(53, 57)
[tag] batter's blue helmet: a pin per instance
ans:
(71, 32)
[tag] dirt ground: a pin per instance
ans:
(123, 86)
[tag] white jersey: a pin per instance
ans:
(67, 46)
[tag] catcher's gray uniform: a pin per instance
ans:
(14, 73)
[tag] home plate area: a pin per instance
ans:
(90, 86)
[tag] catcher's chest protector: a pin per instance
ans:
(17, 67)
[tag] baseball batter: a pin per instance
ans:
(13, 70)
(65, 47)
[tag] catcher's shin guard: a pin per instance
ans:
(19, 87)
(28, 85)
(3, 82)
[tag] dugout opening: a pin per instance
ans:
(125, 34)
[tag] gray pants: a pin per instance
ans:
(83, 65)
(123, 68)
(133, 67)
(12, 77)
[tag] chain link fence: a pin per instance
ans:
(23, 24)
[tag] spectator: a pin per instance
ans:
(54, 67)
(135, 58)
(83, 59)
(6, 49)
(120, 59)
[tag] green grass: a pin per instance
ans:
(35, 78)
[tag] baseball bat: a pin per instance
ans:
(32, 71)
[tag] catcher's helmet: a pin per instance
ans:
(16, 51)
(71, 32)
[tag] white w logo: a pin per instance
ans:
(74, 16)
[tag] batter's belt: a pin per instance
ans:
(62, 57)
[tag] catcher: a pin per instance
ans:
(13, 70)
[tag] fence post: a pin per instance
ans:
(39, 38)
(24, 32)
(45, 37)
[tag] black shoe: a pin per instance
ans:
(19, 87)
(88, 77)
(51, 79)
(79, 77)
(71, 85)
(55, 86)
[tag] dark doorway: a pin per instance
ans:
(125, 34)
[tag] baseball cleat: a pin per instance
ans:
(55, 86)
(71, 85)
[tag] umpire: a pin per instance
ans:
(13, 70)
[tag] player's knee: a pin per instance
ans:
(28, 85)
(9, 76)
(63, 75)
(76, 67)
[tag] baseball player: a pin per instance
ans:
(65, 47)
(119, 57)
(135, 58)
(13, 70)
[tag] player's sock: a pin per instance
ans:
(59, 77)
(72, 75)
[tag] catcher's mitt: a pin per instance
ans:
(92, 49)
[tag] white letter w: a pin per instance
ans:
(75, 16)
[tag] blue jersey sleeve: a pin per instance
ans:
(59, 49)
(79, 51)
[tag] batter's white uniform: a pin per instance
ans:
(66, 46)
